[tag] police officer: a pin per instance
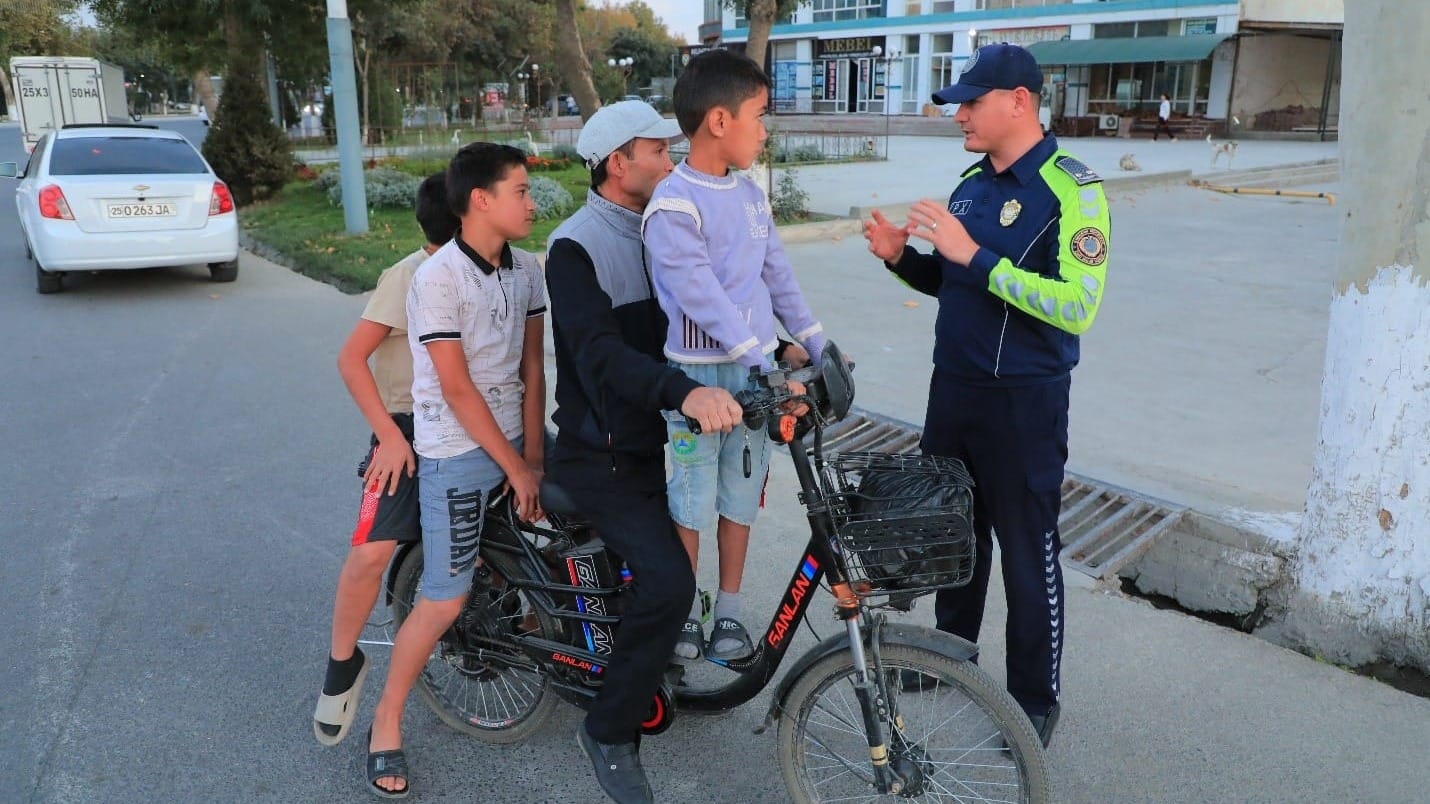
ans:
(1020, 257)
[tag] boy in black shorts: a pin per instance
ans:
(388, 514)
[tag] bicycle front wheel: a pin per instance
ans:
(947, 740)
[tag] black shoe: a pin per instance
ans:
(618, 768)
(1042, 724)
(914, 681)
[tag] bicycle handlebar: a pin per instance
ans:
(829, 391)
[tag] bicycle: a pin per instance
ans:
(540, 622)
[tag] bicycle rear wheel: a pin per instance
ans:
(948, 742)
(475, 681)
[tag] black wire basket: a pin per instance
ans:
(905, 521)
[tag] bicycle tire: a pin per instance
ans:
(994, 714)
(443, 664)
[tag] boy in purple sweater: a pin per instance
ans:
(722, 278)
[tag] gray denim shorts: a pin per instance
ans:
(454, 493)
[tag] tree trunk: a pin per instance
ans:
(204, 88)
(1360, 584)
(5, 93)
(571, 58)
(362, 65)
(762, 21)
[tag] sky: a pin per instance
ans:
(681, 17)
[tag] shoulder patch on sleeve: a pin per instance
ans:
(670, 204)
(1082, 174)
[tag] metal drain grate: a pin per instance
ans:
(1103, 527)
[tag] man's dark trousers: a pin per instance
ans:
(624, 498)
(1014, 442)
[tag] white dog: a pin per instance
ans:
(1227, 147)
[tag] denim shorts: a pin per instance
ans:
(707, 476)
(454, 493)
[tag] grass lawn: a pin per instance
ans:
(308, 231)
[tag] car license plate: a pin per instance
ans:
(144, 209)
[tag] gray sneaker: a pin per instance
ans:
(618, 768)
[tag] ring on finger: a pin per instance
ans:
(933, 227)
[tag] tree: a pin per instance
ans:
(575, 67)
(37, 28)
(652, 54)
(1359, 587)
(244, 147)
(762, 15)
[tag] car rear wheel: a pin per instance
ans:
(46, 281)
(223, 271)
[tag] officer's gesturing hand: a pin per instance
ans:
(715, 409)
(886, 241)
(932, 221)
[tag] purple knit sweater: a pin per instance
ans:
(721, 273)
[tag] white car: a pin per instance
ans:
(101, 198)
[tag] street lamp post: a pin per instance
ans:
(536, 77)
(624, 63)
(522, 77)
(888, 59)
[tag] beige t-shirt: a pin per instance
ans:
(392, 362)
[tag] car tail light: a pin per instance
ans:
(221, 201)
(54, 205)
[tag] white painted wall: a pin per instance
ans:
(804, 77)
(1274, 71)
(1361, 581)
(1219, 90)
(1299, 11)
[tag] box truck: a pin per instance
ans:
(50, 92)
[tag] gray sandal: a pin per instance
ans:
(690, 645)
(727, 630)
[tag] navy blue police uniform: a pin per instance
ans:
(1006, 340)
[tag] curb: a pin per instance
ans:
(1132, 182)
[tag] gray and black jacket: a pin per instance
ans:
(612, 379)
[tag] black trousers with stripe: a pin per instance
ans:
(1014, 442)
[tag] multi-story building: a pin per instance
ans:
(1259, 61)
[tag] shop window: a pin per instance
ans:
(1124, 30)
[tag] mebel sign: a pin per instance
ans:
(851, 46)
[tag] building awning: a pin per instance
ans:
(1193, 47)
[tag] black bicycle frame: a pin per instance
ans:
(817, 561)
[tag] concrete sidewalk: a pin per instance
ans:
(928, 167)
(1200, 383)
(1162, 707)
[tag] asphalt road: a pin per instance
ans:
(181, 458)
(182, 492)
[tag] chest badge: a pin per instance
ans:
(1009, 212)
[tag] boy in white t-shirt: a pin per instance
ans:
(388, 514)
(475, 328)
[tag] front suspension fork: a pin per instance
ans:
(873, 702)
